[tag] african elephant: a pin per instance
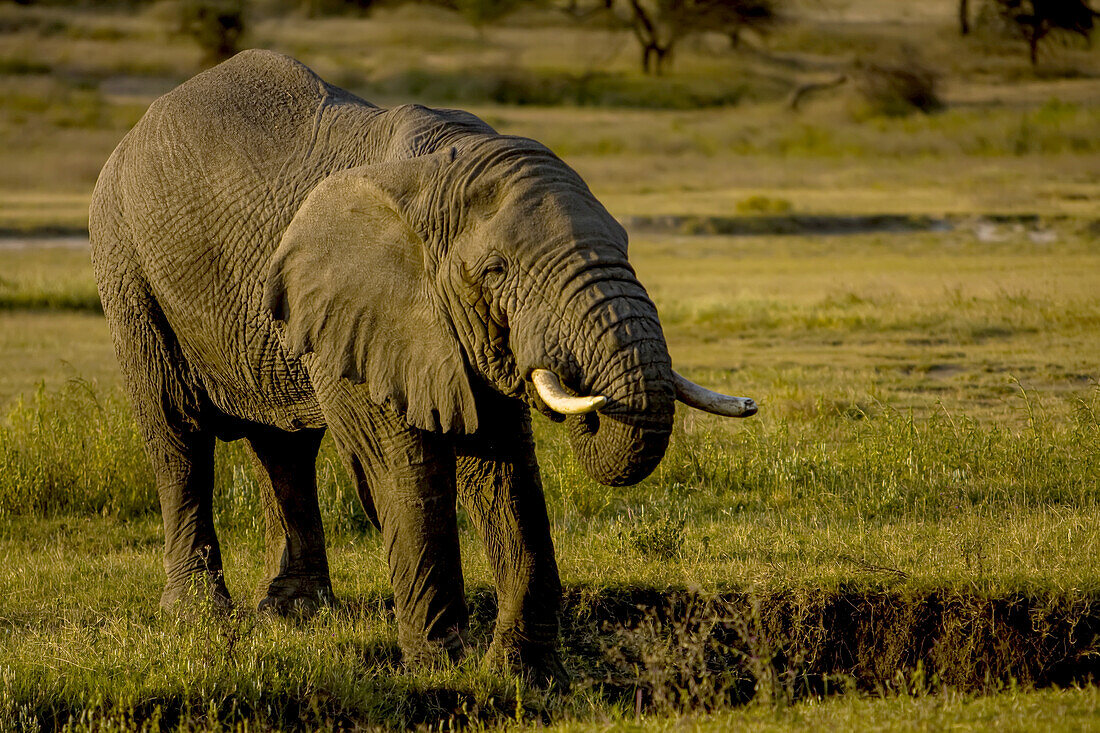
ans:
(277, 257)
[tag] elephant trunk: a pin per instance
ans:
(628, 364)
(618, 450)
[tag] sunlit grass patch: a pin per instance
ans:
(38, 213)
(47, 274)
(73, 451)
(43, 295)
(1010, 710)
(77, 451)
(838, 479)
(952, 319)
(885, 463)
(215, 669)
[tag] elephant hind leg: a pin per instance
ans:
(168, 408)
(192, 554)
(295, 564)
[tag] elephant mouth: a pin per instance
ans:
(498, 369)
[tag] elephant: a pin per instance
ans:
(278, 258)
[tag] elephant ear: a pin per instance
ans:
(350, 283)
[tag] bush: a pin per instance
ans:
(759, 204)
(660, 538)
(896, 90)
(1034, 20)
(216, 25)
(519, 87)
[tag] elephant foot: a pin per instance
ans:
(540, 665)
(297, 598)
(197, 590)
(423, 654)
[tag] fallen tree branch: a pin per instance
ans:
(799, 93)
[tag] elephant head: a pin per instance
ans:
(490, 262)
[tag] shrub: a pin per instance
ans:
(660, 538)
(759, 204)
(1034, 20)
(895, 90)
(520, 87)
(215, 25)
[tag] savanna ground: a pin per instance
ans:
(908, 534)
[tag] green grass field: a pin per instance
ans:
(907, 536)
(929, 426)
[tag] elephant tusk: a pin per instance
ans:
(557, 399)
(701, 398)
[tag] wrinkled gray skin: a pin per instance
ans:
(277, 257)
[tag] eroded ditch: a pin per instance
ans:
(680, 647)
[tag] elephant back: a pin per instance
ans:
(198, 194)
(203, 188)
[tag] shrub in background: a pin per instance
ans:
(215, 25)
(896, 89)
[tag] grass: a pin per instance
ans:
(928, 441)
(1051, 710)
(50, 274)
(816, 505)
(945, 354)
(51, 347)
(84, 643)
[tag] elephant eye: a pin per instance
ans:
(492, 270)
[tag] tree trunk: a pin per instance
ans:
(964, 17)
(662, 56)
(647, 33)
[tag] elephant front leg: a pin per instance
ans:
(416, 507)
(500, 487)
(406, 480)
(295, 563)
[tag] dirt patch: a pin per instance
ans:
(944, 371)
